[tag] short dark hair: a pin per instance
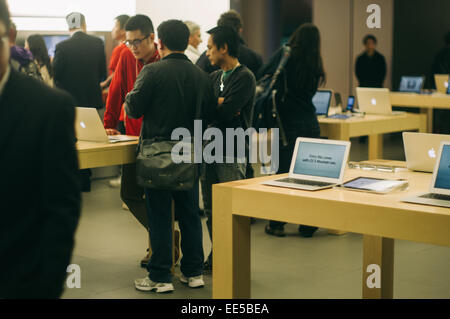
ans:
(174, 34)
(122, 19)
(369, 37)
(231, 19)
(4, 14)
(140, 22)
(226, 35)
(447, 38)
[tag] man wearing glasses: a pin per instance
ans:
(39, 190)
(140, 38)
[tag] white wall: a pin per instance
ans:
(203, 12)
(49, 15)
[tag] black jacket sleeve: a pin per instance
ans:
(237, 98)
(61, 197)
(137, 101)
(58, 65)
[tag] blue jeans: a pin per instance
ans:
(159, 210)
(218, 173)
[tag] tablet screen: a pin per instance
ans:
(372, 184)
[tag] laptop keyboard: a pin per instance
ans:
(303, 182)
(436, 196)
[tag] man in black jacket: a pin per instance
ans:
(234, 87)
(39, 191)
(166, 93)
(370, 65)
(80, 64)
(246, 56)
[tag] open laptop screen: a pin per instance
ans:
(443, 173)
(321, 101)
(318, 159)
(411, 84)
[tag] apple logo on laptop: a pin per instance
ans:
(432, 153)
(374, 101)
(82, 125)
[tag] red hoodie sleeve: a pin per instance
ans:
(116, 94)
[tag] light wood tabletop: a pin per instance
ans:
(380, 218)
(425, 102)
(373, 126)
(93, 154)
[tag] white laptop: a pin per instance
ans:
(321, 101)
(421, 150)
(89, 127)
(316, 164)
(441, 81)
(413, 84)
(439, 194)
(375, 101)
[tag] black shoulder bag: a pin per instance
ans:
(155, 166)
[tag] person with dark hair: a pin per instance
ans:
(140, 50)
(37, 228)
(36, 44)
(247, 57)
(441, 65)
(234, 87)
(118, 34)
(370, 66)
(169, 94)
(21, 58)
(304, 73)
(79, 66)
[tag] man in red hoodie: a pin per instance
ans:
(140, 38)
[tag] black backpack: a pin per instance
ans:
(270, 90)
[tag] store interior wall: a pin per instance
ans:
(419, 30)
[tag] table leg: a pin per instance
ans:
(231, 248)
(429, 114)
(378, 267)
(375, 146)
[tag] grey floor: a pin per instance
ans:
(110, 243)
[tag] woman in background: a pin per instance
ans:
(36, 44)
(303, 73)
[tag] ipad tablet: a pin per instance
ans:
(375, 185)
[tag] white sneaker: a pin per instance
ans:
(193, 282)
(115, 182)
(145, 284)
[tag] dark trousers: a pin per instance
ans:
(159, 207)
(218, 173)
(133, 195)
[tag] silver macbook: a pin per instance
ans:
(89, 127)
(321, 101)
(316, 164)
(421, 150)
(439, 194)
(441, 81)
(375, 101)
(412, 84)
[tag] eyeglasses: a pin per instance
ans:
(134, 43)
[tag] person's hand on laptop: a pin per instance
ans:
(111, 131)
